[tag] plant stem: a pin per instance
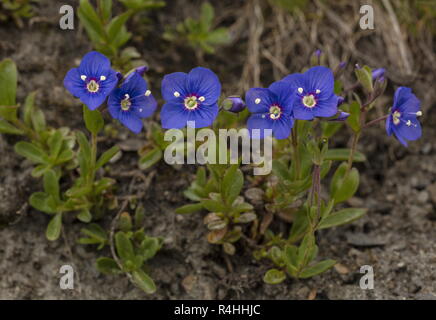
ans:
(370, 123)
(356, 137)
(31, 134)
(93, 157)
(296, 153)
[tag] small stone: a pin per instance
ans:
(341, 269)
(432, 191)
(365, 240)
(423, 196)
(188, 282)
(312, 295)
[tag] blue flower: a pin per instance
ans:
(402, 119)
(272, 109)
(92, 81)
(190, 97)
(314, 91)
(131, 102)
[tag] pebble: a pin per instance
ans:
(423, 196)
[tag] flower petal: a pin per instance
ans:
(174, 115)
(284, 93)
(296, 80)
(144, 106)
(94, 64)
(174, 82)
(319, 78)
(406, 101)
(204, 115)
(74, 84)
(259, 100)
(326, 107)
(135, 85)
(301, 112)
(282, 127)
(260, 122)
(131, 121)
(204, 82)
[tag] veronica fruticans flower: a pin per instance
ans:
(92, 81)
(314, 93)
(272, 109)
(402, 119)
(190, 97)
(131, 102)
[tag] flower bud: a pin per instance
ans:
(341, 116)
(378, 73)
(234, 104)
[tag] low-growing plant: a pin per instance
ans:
(84, 191)
(17, 10)
(109, 34)
(200, 34)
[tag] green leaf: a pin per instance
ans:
(84, 216)
(55, 143)
(107, 266)
(84, 155)
(206, 16)
(214, 205)
(43, 202)
(91, 21)
(354, 119)
(117, 23)
(6, 127)
(149, 247)
(305, 249)
(29, 107)
(93, 120)
(343, 155)
(54, 227)
(51, 184)
(341, 217)
(38, 120)
(105, 9)
(31, 152)
(124, 247)
(290, 255)
(189, 208)
(96, 234)
(274, 276)
(318, 268)
(107, 156)
(8, 88)
(150, 159)
(343, 186)
(143, 281)
(232, 184)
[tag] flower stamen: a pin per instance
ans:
(309, 101)
(83, 77)
(92, 86)
(125, 103)
(176, 94)
(147, 93)
(275, 112)
(300, 90)
(396, 117)
(102, 78)
(191, 103)
(257, 101)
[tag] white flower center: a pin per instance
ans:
(125, 103)
(309, 101)
(275, 112)
(191, 103)
(92, 86)
(396, 117)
